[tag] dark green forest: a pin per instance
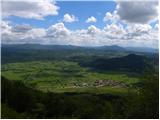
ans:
(51, 81)
(20, 101)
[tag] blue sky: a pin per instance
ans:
(80, 9)
(92, 23)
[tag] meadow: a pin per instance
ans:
(64, 76)
(75, 82)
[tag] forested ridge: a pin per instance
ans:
(20, 101)
(52, 81)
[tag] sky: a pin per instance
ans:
(81, 23)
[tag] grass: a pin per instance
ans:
(60, 76)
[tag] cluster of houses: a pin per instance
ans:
(99, 83)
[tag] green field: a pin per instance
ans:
(50, 82)
(64, 76)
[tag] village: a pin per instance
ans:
(100, 83)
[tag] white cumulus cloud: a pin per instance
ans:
(91, 20)
(37, 9)
(69, 18)
(113, 17)
(23, 33)
(139, 35)
(93, 30)
(57, 30)
(108, 16)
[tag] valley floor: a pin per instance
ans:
(63, 76)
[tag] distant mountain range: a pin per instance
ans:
(71, 47)
(142, 49)
(108, 58)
